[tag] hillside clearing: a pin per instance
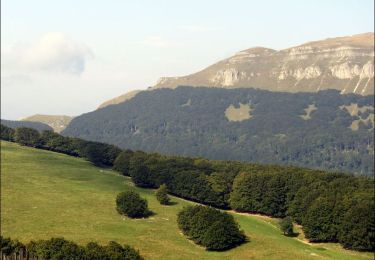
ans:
(47, 194)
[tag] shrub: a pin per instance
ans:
(132, 205)
(286, 226)
(222, 235)
(162, 195)
(210, 228)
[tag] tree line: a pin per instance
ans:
(332, 207)
(191, 121)
(60, 248)
(99, 154)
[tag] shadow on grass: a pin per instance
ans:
(169, 203)
(295, 234)
(149, 214)
(146, 215)
(247, 240)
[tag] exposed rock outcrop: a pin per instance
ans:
(343, 63)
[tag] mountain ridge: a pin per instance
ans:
(345, 77)
(342, 63)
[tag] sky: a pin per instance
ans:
(67, 57)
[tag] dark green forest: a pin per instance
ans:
(191, 122)
(62, 249)
(99, 154)
(332, 207)
(35, 125)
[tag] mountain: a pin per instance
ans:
(35, 125)
(120, 99)
(343, 63)
(325, 130)
(57, 122)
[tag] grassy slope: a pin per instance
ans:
(46, 194)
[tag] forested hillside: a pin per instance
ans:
(324, 130)
(35, 125)
(332, 207)
(64, 196)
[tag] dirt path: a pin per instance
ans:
(265, 217)
(301, 237)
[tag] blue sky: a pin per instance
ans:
(66, 57)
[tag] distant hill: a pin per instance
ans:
(35, 125)
(342, 63)
(57, 122)
(120, 99)
(325, 130)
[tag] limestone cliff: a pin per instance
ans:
(343, 63)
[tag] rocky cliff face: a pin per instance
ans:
(344, 63)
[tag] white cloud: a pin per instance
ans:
(196, 28)
(16, 79)
(54, 52)
(157, 41)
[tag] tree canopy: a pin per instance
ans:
(162, 195)
(286, 226)
(129, 203)
(275, 134)
(210, 228)
(60, 248)
(27, 136)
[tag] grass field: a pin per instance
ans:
(47, 194)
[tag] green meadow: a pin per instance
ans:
(46, 194)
